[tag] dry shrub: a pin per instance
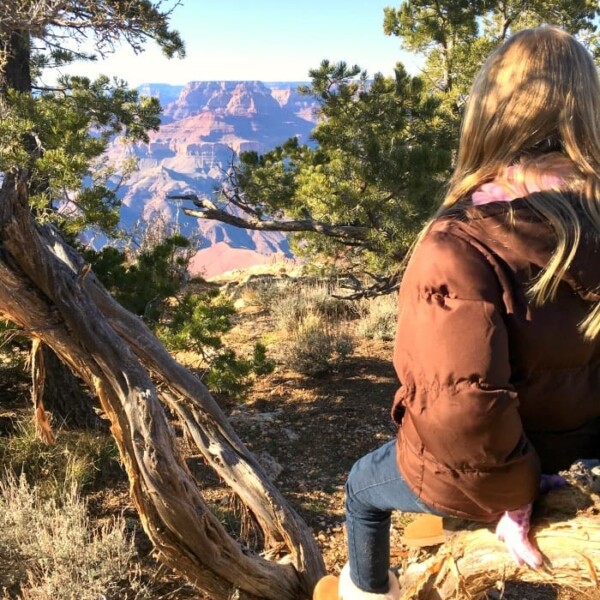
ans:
(315, 346)
(264, 293)
(49, 550)
(299, 302)
(378, 317)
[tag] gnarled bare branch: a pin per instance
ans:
(566, 529)
(105, 21)
(351, 234)
(384, 284)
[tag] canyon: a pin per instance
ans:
(205, 126)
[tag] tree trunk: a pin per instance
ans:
(566, 528)
(47, 289)
(65, 397)
(15, 61)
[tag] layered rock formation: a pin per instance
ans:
(203, 130)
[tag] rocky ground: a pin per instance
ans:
(308, 431)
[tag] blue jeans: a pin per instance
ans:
(375, 488)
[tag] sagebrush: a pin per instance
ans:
(315, 346)
(378, 317)
(50, 551)
(300, 302)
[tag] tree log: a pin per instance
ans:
(46, 288)
(566, 528)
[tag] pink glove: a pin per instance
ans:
(513, 530)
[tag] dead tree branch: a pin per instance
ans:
(566, 528)
(357, 235)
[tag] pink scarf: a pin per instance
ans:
(505, 189)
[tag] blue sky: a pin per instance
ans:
(268, 40)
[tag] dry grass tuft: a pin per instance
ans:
(378, 317)
(77, 458)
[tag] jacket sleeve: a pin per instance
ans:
(452, 358)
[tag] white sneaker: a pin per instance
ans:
(348, 591)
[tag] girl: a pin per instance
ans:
(497, 345)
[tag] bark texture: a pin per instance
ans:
(47, 289)
(566, 528)
(65, 397)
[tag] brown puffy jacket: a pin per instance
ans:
(494, 390)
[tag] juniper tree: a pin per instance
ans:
(59, 133)
(50, 292)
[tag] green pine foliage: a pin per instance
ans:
(362, 172)
(71, 132)
(150, 285)
(142, 285)
(197, 323)
(456, 36)
(59, 133)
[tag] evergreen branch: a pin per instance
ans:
(108, 21)
(46, 88)
(230, 189)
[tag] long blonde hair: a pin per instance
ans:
(536, 103)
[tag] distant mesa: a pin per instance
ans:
(227, 98)
(206, 124)
(163, 91)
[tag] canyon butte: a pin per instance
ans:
(204, 126)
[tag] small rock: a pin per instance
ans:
(270, 465)
(291, 435)
(586, 472)
(256, 417)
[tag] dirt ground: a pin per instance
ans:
(313, 429)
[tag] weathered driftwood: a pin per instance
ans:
(47, 289)
(566, 528)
